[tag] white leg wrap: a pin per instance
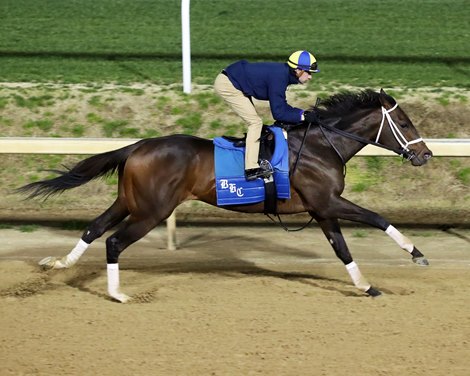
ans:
(113, 284)
(73, 256)
(359, 281)
(401, 239)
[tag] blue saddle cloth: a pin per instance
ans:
(231, 186)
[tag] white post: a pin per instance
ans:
(171, 231)
(186, 47)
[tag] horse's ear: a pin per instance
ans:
(386, 99)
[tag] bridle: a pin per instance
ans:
(396, 131)
(403, 150)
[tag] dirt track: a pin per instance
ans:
(236, 301)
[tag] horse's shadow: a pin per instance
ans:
(88, 276)
(230, 263)
(212, 257)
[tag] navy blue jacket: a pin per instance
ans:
(266, 81)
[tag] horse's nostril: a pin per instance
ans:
(427, 156)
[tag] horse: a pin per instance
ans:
(155, 175)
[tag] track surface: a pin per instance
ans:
(237, 301)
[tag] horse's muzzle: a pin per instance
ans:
(420, 158)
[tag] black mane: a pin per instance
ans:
(342, 103)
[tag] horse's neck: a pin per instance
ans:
(363, 124)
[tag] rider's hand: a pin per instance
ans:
(311, 117)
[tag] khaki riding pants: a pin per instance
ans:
(243, 107)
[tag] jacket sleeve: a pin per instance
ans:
(280, 109)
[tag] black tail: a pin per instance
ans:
(91, 168)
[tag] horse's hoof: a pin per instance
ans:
(50, 262)
(422, 261)
(120, 297)
(373, 292)
(47, 263)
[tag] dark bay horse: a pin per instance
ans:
(158, 174)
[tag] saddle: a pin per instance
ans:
(231, 186)
(266, 143)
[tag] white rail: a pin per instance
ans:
(49, 145)
(441, 147)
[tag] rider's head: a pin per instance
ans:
(304, 61)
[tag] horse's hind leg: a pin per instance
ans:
(133, 230)
(332, 231)
(111, 217)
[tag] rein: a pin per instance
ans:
(300, 150)
(360, 139)
(301, 147)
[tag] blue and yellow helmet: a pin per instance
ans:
(303, 60)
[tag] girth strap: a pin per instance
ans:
(270, 200)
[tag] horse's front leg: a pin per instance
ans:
(407, 245)
(332, 231)
(344, 209)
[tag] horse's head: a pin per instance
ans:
(397, 131)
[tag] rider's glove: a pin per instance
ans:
(311, 117)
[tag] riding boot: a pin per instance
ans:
(263, 171)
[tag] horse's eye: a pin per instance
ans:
(404, 125)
